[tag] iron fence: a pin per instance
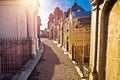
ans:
(81, 56)
(14, 54)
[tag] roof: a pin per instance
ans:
(82, 14)
(77, 12)
(76, 7)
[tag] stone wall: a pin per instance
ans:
(107, 40)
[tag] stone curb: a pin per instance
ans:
(24, 75)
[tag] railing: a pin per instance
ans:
(14, 54)
(81, 56)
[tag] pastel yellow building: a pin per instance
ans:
(105, 40)
(76, 35)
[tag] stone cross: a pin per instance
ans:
(75, 1)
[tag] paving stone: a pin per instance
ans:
(54, 64)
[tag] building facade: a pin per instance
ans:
(105, 39)
(18, 34)
(24, 19)
(76, 35)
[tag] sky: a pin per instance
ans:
(48, 6)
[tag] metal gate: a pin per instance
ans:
(81, 56)
(14, 54)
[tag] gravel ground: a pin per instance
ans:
(54, 64)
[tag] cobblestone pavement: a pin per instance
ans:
(54, 64)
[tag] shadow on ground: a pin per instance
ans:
(45, 68)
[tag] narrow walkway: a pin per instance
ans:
(54, 64)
